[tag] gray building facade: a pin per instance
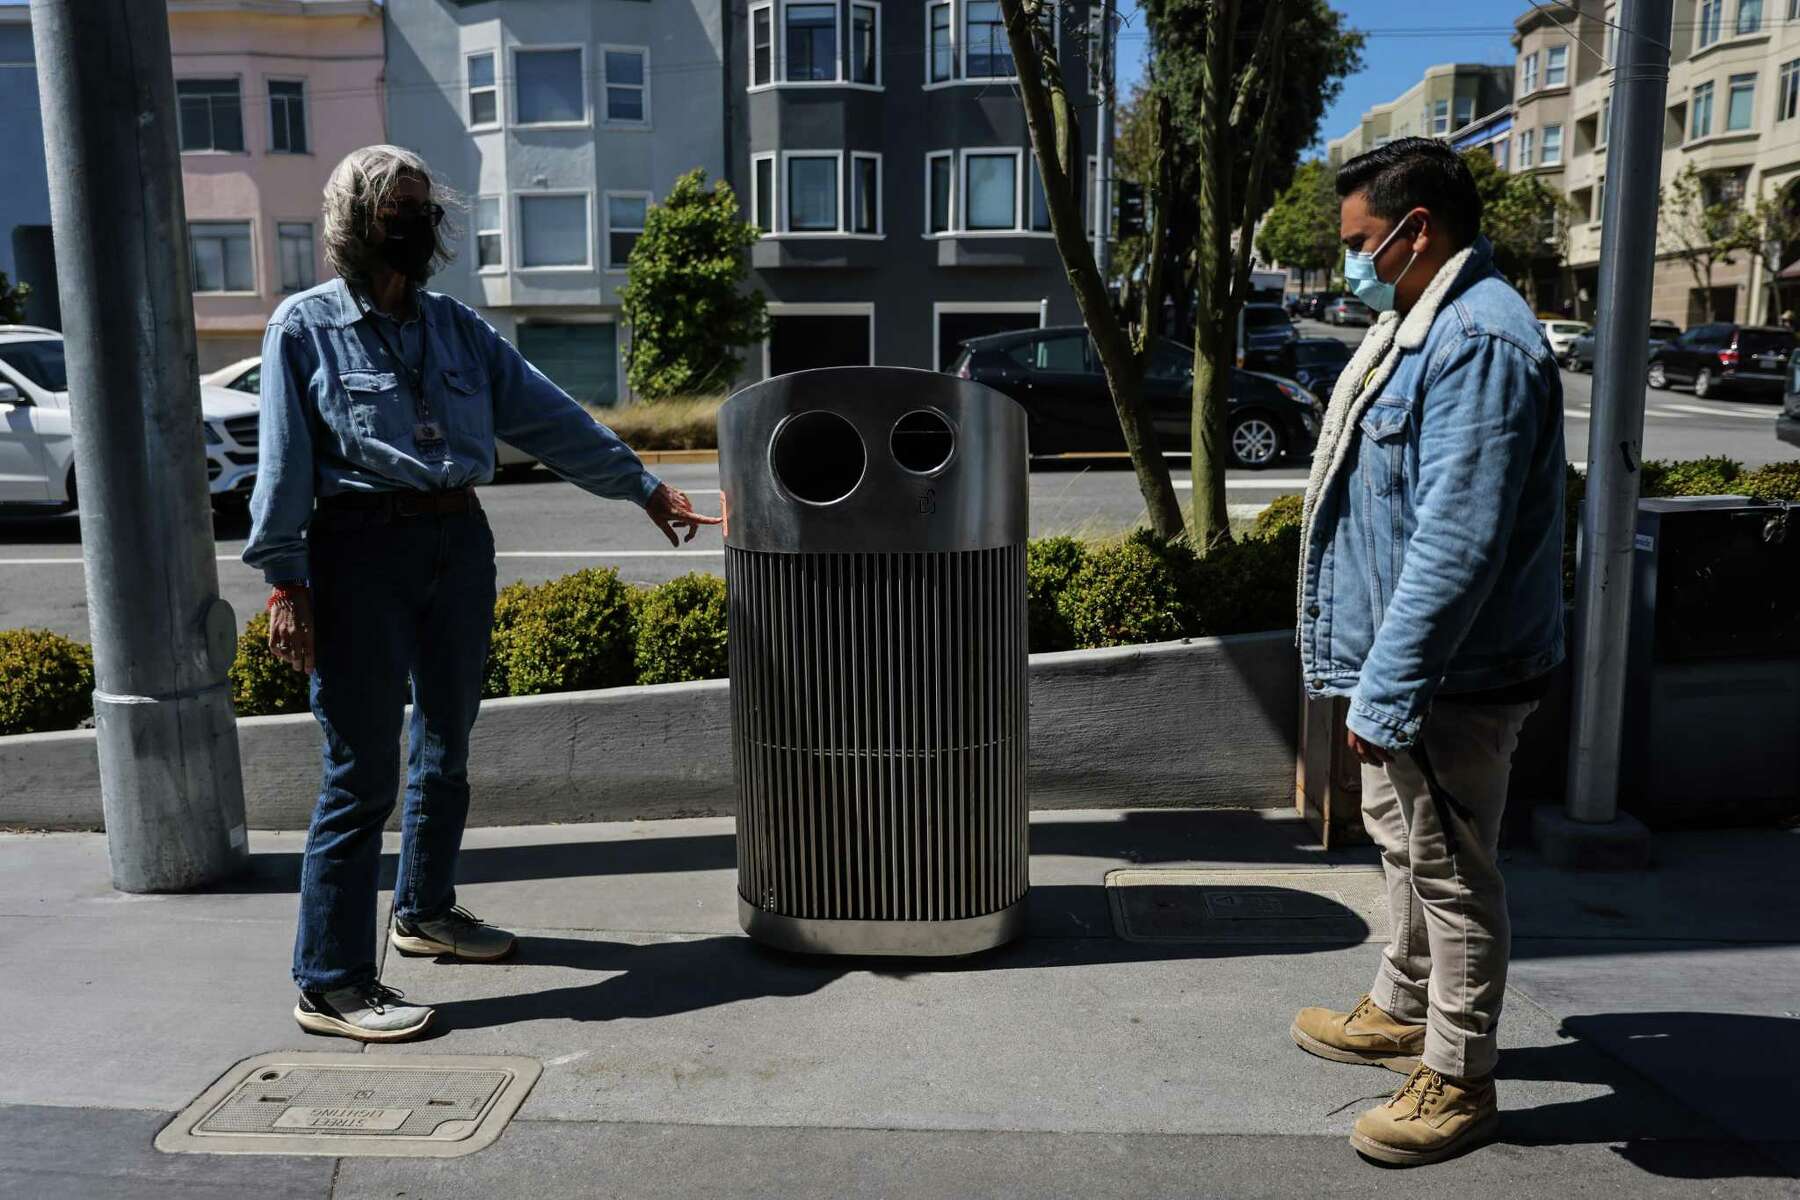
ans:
(560, 121)
(25, 251)
(882, 148)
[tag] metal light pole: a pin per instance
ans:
(163, 639)
(1592, 832)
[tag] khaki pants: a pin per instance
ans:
(1435, 813)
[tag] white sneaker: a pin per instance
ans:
(458, 934)
(369, 1012)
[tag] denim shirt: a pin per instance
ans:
(340, 415)
(1434, 560)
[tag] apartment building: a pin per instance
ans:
(270, 95)
(1448, 98)
(25, 253)
(882, 149)
(1733, 112)
(561, 122)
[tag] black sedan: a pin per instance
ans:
(1318, 362)
(1581, 351)
(1055, 376)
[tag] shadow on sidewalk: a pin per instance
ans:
(680, 975)
(1138, 837)
(1727, 1080)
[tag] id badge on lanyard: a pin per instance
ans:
(429, 437)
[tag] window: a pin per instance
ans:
(942, 48)
(986, 52)
(991, 188)
(1527, 142)
(1465, 110)
(762, 45)
(1552, 145)
(1605, 121)
(490, 244)
(625, 214)
(1556, 66)
(1700, 112)
(553, 231)
(813, 195)
(865, 193)
(1612, 37)
(287, 116)
(1503, 153)
(1749, 16)
(212, 115)
(1712, 12)
(294, 241)
(1440, 118)
(1599, 200)
(865, 44)
(1787, 98)
(484, 96)
(222, 261)
(1066, 354)
(940, 191)
(1740, 103)
(627, 94)
(1529, 74)
(549, 86)
(810, 41)
(762, 192)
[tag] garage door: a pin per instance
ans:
(956, 328)
(580, 359)
(805, 343)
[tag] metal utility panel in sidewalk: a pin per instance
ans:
(875, 555)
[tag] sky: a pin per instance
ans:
(1403, 38)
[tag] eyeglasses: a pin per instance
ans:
(412, 208)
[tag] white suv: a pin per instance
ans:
(37, 451)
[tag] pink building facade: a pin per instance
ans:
(272, 94)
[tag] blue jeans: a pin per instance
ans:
(398, 602)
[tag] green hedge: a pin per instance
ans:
(568, 635)
(681, 631)
(46, 681)
(261, 683)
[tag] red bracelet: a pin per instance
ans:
(283, 592)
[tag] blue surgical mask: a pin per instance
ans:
(1360, 274)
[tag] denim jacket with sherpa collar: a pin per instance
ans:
(1431, 555)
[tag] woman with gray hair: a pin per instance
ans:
(381, 402)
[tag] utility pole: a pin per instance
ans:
(1103, 185)
(1592, 831)
(170, 783)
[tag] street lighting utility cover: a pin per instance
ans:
(292, 1102)
(1342, 906)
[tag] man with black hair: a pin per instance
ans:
(1431, 595)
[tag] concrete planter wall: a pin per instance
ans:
(1206, 723)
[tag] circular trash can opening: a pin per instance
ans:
(818, 457)
(923, 441)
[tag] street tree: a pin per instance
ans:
(1703, 222)
(1775, 231)
(1301, 228)
(1247, 82)
(1525, 220)
(12, 301)
(684, 296)
(1051, 118)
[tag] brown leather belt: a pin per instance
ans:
(403, 504)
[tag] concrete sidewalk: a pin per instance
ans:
(1652, 1029)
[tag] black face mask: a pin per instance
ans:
(408, 242)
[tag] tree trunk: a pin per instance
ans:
(1214, 349)
(1055, 138)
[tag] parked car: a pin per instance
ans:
(1348, 310)
(1581, 351)
(1292, 305)
(1318, 362)
(1787, 425)
(1314, 306)
(1720, 358)
(1561, 334)
(37, 451)
(1055, 376)
(1266, 338)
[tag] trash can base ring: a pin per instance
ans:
(911, 939)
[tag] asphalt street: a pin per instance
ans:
(546, 528)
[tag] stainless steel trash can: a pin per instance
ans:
(875, 555)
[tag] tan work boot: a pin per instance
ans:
(1365, 1035)
(1432, 1117)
